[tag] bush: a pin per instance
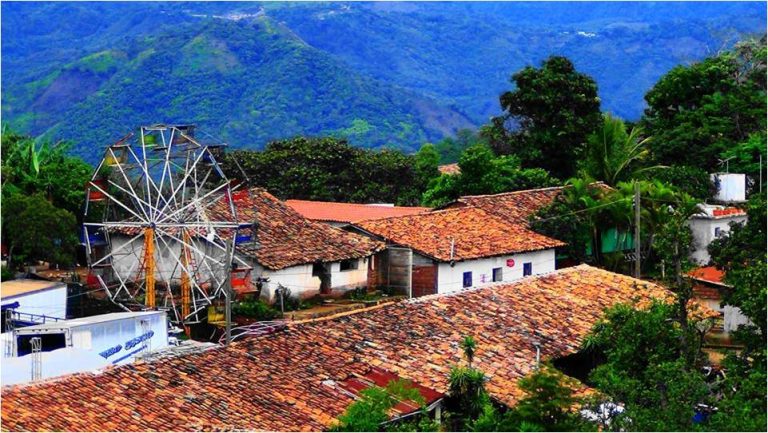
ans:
(256, 309)
(6, 274)
(290, 302)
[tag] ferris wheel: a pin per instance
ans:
(161, 224)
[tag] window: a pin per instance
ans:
(348, 265)
(527, 269)
(718, 232)
(497, 275)
(467, 279)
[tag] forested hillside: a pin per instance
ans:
(384, 74)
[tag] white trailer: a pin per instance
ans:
(118, 338)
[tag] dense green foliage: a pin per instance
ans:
(693, 181)
(255, 309)
(371, 412)
(451, 148)
(330, 169)
(33, 229)
(554, 109)
(742, 254)
(29, 167)
(613, 155)
(700, 112)
(42, 192)
(646, 369)
(484, 173)
(548, 405)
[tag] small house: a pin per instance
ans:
(519, 206)
(712, 222)
(307, 257)
(708, 289)
(452, 249)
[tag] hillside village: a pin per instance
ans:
(608, 276)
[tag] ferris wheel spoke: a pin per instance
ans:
(184, 179)
(194, 203)
(165, 171)
(123, 286)
(135, 198)
(115, 251)
(186, 269)
(128, 182)
(116, 201)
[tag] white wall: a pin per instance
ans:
(703, 231)
(451, 279)
(301, 282)
(731, 186)
(345, 280)
(50, 302)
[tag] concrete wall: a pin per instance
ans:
(703, 230)
(302, 283)
(732, 316)
(450, 279)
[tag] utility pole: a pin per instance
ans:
(637, 229)
(228, 290)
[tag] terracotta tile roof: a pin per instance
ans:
(286, 238)
(708, 274)
(449, 168)
(349, 212)
(475, 233)
(515, 205)
(289, 380)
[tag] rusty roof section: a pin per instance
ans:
(349, 212)
(708, 274)
(449, 168)
(286, 238)
(515, 205)
(287, 380)
(473, 232)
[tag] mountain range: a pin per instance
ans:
(380, 74)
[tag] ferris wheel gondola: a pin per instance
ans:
(152, 237)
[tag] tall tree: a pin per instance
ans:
(696, 113)
(34, 229)
(328, 169)
(555, 108)
(482, 172)
(614, 155)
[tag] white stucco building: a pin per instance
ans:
(453, 249)
(712, 222)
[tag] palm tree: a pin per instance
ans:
(613, 155)
(468, 345)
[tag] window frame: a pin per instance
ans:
(464, 279)
(501, 274)
(529, 266)
(350, 263)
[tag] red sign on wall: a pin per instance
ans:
(510, 263)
